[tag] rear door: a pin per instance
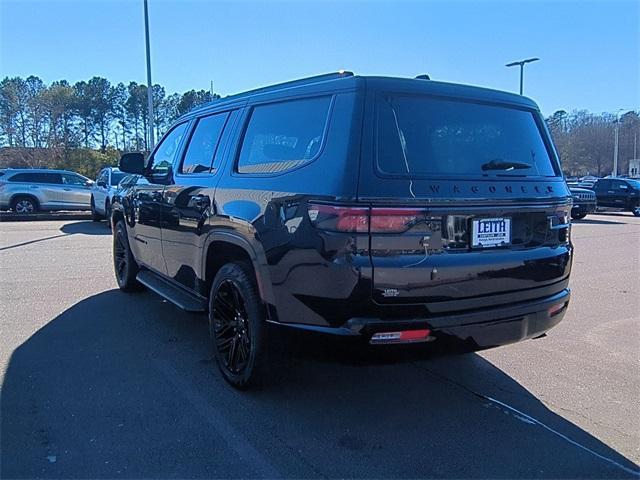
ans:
(188, 201)
(466, 201)
(604, 193)
(75, 193)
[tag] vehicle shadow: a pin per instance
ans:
(86, 228)
(593, 221)
(124, 385)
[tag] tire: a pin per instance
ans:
(24, 204)
(636, 211)
(237, 325)
(578, 216)
(124, 264)
(95, 216)
(107, 212)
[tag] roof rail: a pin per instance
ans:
(293, 83)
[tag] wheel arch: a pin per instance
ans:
(27, 195)
(225, 247)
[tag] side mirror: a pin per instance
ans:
(101, 183)
(132, 163)
(89, 183)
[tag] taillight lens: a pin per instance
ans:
(389, 220)
(339, 219)
(362, 219)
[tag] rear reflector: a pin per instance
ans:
(405, 336)
(555, 309)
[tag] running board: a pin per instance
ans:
(176, 295)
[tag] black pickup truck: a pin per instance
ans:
(621, 194)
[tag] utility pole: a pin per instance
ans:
(521, 64)
(614, 174)
(149, 84)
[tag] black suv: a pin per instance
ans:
(394, 210)
(622, 194)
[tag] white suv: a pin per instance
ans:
(102, 192)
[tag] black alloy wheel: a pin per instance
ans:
(124, 264)
(236, 325)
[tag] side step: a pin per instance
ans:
(176, 295)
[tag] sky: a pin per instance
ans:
(589, 50)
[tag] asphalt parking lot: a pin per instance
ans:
(98, 383)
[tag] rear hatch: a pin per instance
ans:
(466, 202)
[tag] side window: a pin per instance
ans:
(602, 185)
(70, 179)
(203, 144)
(102, 178)
(22, 177)
(166, 152)
(282, 136)
(620, 185)
(53, 178)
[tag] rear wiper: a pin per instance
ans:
(502, 165)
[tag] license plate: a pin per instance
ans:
(491, 232)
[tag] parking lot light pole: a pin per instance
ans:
(521, 63)
(149, 84)
(614, 173)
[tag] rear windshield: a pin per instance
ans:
(421, 136)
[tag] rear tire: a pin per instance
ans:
(578, 216)
(107, 212)
(24, 204)
(124, 264)
(95, 216)
(237, 325)
(636, 211)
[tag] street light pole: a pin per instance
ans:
(521, 64)
(149, 84)
(614, 174)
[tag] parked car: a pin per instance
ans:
(584, 202)
(619, 194)
(391, 210)
(33, 190)
(102, 192)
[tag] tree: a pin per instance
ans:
(193, 99)
(59, 105)
(120, 95)
(101, 107)
(83, 107)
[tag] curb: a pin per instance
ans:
(17, 217)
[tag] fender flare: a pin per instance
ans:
(256, 254)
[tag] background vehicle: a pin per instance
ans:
(584, 202)
(32, 190)
(102, 192)
(310, 205)
(620, 194)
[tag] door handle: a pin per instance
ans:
(611, 191)
(33, 186)
(67, 189)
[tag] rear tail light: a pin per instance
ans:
(362, 219)
(339, 219)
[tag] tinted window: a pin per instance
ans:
(116, 177)
(166, 152)
(37, 177)
(203, 144)
(282, 136)
(71, 179)
(418, 136)
(602, 184)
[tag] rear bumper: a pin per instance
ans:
(482, 328)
